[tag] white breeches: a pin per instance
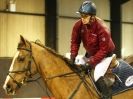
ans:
(102, 67)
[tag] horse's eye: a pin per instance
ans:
(21, 58)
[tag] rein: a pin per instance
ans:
(61, 75)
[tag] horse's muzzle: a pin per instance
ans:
(9, 90)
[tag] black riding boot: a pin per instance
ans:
(104, 88)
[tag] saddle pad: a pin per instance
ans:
(125, 74)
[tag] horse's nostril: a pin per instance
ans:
(8, 87)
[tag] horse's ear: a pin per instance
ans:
(22, 40)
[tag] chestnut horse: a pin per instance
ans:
(63, 80)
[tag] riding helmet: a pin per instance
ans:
(87, 7)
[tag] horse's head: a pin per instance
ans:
(21, 67)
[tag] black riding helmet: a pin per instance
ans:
(87, 7)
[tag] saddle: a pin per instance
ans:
(119, 76)
(123, 77)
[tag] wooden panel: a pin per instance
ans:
(127, 13)
(127, 40)
(3, 34)
(31, 6)
(103, 8)
(127, 29)
(2, 4)
(69, 7)
(31, 27)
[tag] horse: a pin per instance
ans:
(63, 80)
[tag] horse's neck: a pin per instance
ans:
(49, 63)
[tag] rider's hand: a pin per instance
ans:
(89, 66)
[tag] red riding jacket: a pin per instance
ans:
(96, 40)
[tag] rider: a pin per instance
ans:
(96, 39)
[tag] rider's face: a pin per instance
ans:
(85, 18)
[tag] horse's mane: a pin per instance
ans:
(68, 61)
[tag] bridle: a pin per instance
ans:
(27, 70)
(29, 74)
